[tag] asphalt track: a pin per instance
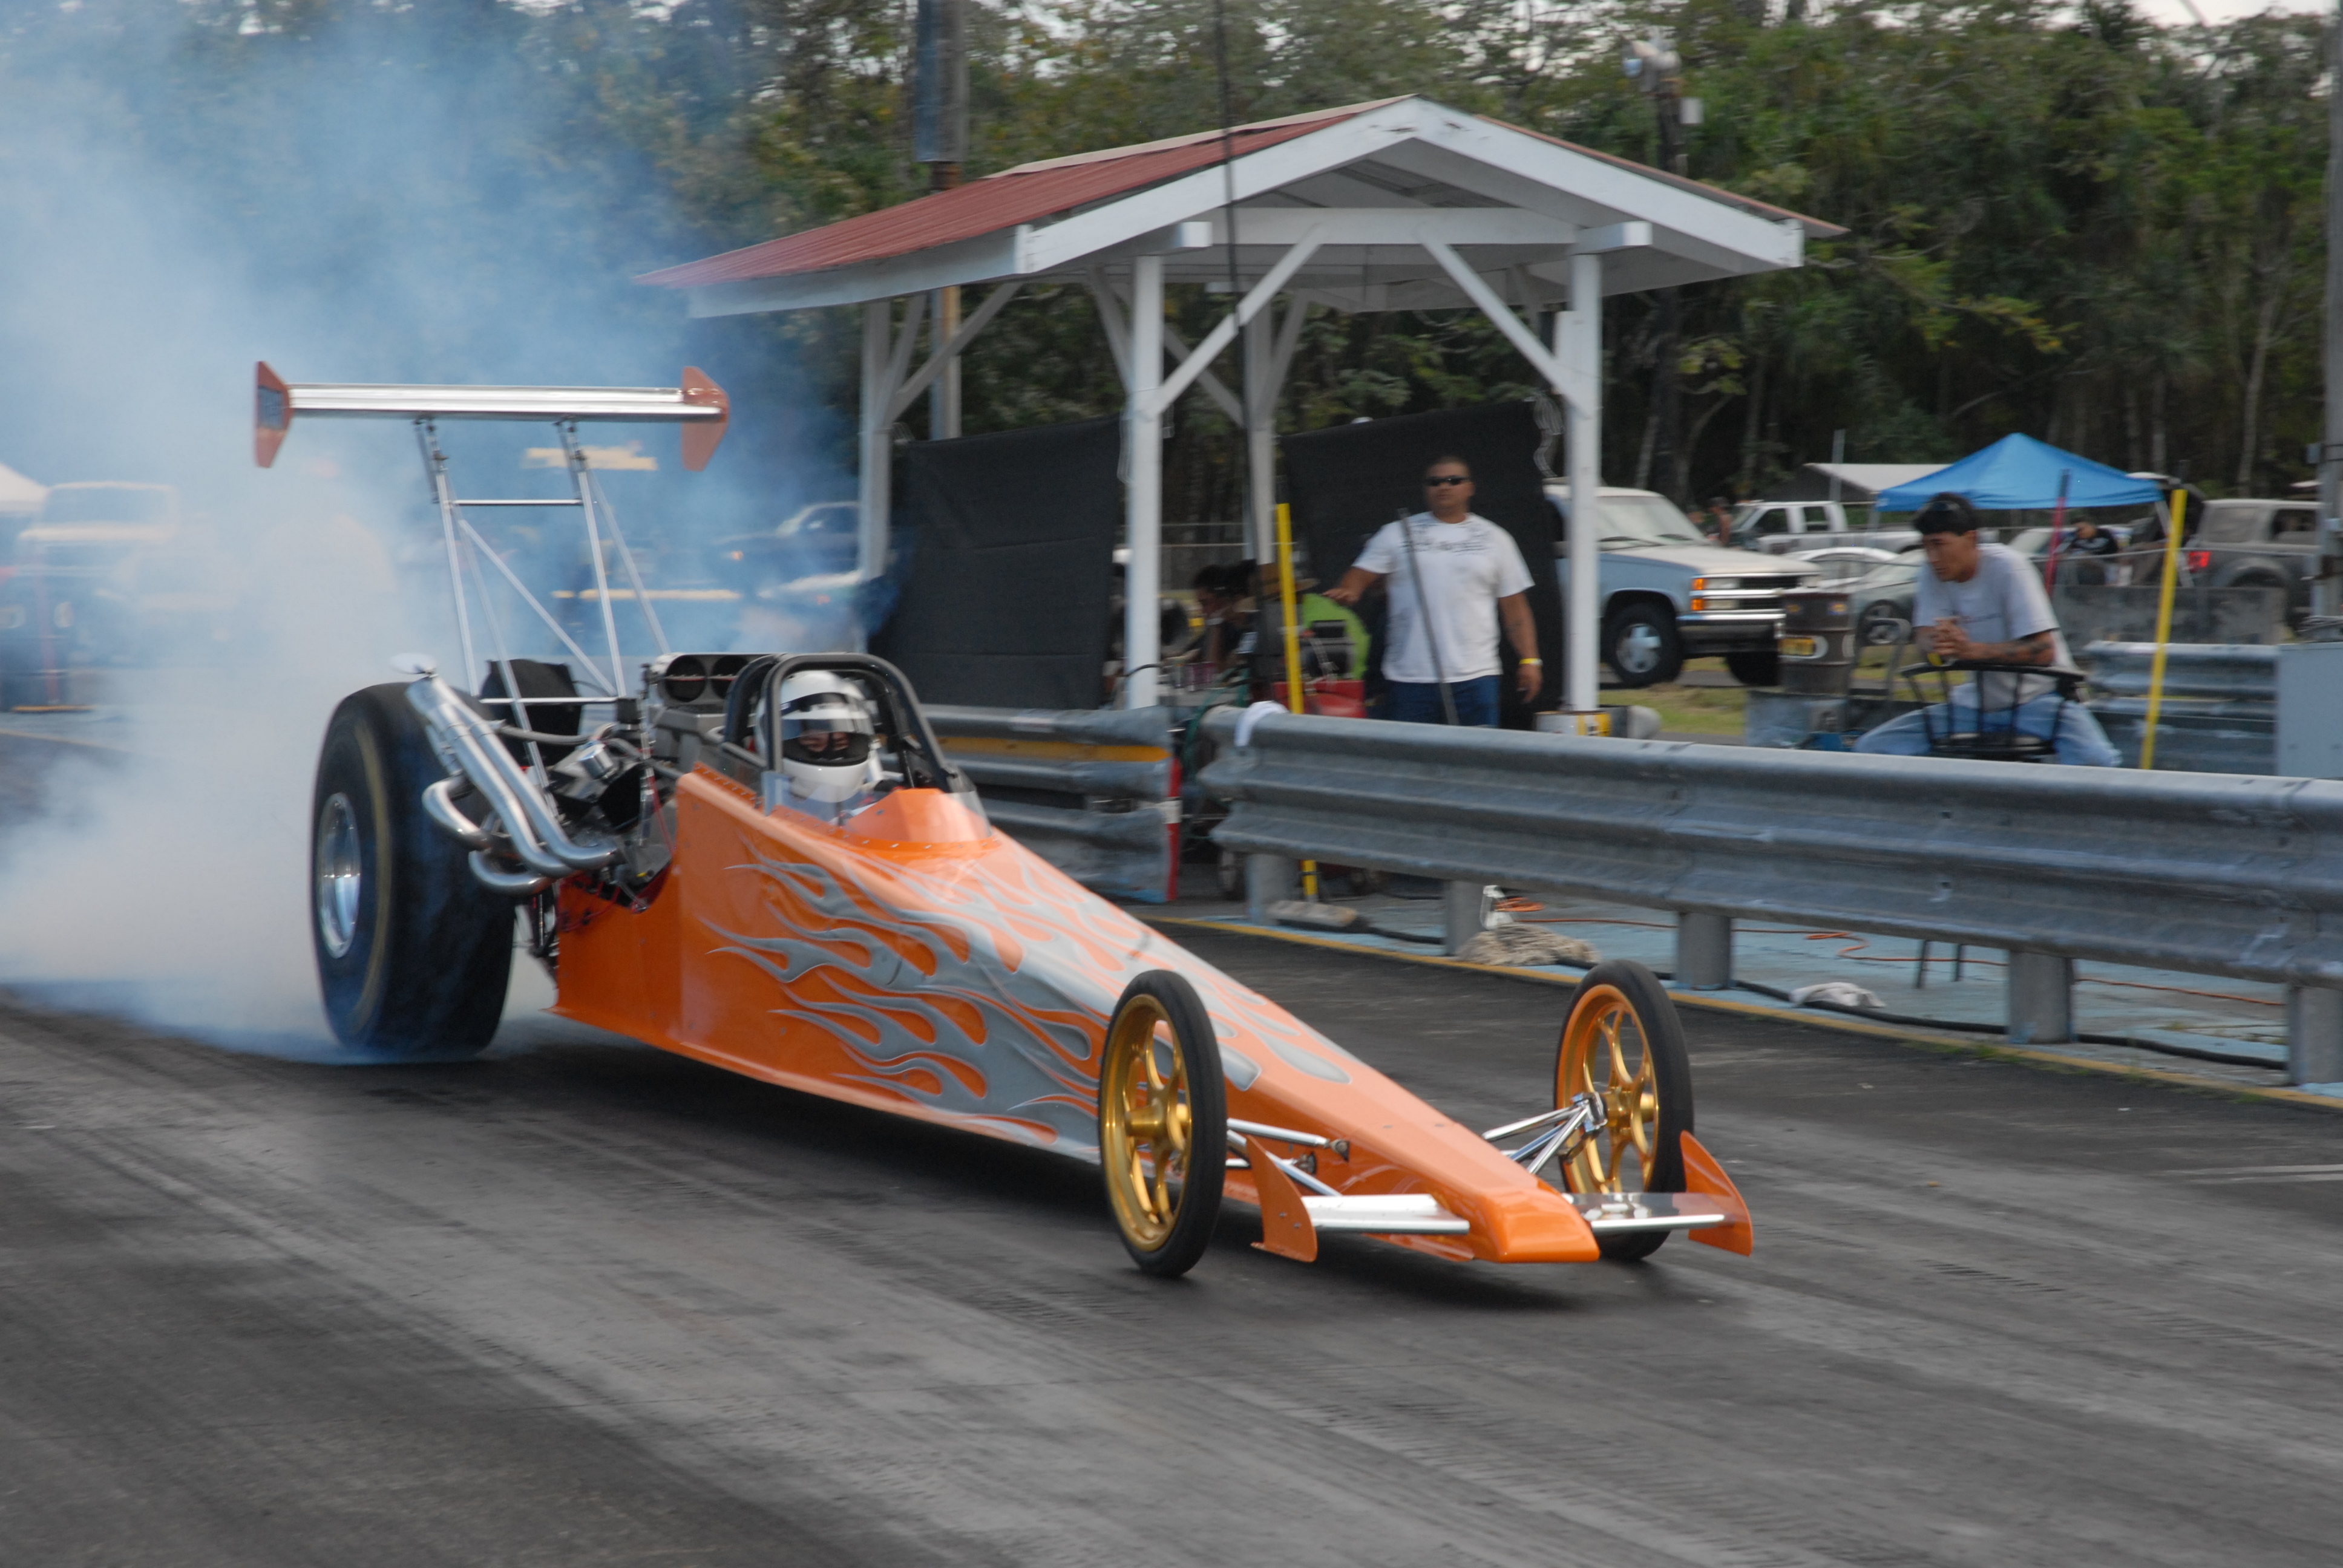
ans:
(582, 1304)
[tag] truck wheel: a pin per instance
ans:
(1756, 669)
(1624, 1044)
(413, 954)
(1641, 644)
(1163, 1122)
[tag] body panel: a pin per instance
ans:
(915, 962)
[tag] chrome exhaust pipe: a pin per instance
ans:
(511, 884)
(539, 840)
(443, 810)
(440, 807)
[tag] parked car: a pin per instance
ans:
(2258, 544)
(1880, 583)
(110, 573)
(1669, 594)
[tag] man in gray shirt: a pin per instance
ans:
(1984, 602)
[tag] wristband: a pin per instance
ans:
(1536, 661)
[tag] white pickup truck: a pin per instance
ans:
(1669, 594)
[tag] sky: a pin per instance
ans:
(2175, 13)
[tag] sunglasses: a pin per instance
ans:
(1434, 481)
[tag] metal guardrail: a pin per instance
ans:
(1093, 791)
(2217, 671)
(2219, 713)
(2214, 873)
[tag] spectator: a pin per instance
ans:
(1471, 574)
(1716, 522)
(1223, 597)
(1984, 602)
(2093, 545)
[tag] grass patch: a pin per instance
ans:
(1691, 710)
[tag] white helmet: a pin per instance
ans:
(829, 746)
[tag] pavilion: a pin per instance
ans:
(1400, 205)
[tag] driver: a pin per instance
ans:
(829, 763)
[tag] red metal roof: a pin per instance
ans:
(1035, 191)
(985, 205)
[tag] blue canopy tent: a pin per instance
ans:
(2018, 472)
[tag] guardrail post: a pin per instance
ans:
(2314, 1034)
(1269, 879)
(1703, 951)
(2041, 1005)
(1461, 914)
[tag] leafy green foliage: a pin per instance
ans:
(2077, 224)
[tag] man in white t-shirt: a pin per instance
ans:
(1985, 602)
(1471, 574)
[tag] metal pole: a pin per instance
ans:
(2327, 590)
(1578, 343)
(577, 465)
(435, 464)
(1293, 696)
(2164, 625)
(1143, 491)
(940, 111)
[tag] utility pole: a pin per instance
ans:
(940, 131)
(2327, 591)
(1655, 67)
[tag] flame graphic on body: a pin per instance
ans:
(976, 982)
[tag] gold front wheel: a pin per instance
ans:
(1623, 1045)
(1162, 1119)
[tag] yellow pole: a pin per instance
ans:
(2163, 627)
(1293, 652)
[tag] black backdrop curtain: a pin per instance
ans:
(1009, 539)
(1345, 482)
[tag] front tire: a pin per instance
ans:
(1624, 1043)
(1162, 1123)
(413, 954)
(1756, 669)
(1642, 646)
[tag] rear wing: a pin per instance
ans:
(699, 406)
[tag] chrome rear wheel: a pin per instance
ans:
(341, 874)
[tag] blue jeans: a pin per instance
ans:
(1418, 701)
(2080, 741)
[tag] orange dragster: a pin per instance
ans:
(767, 862)
(794, 883)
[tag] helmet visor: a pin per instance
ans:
(827, 731)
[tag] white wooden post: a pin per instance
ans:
(875, 452)
(1143, 439)
(1261, 437)
(1578, 344)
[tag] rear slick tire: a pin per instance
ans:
(1162, 1123)
(1623, 1042)
(413, 954)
